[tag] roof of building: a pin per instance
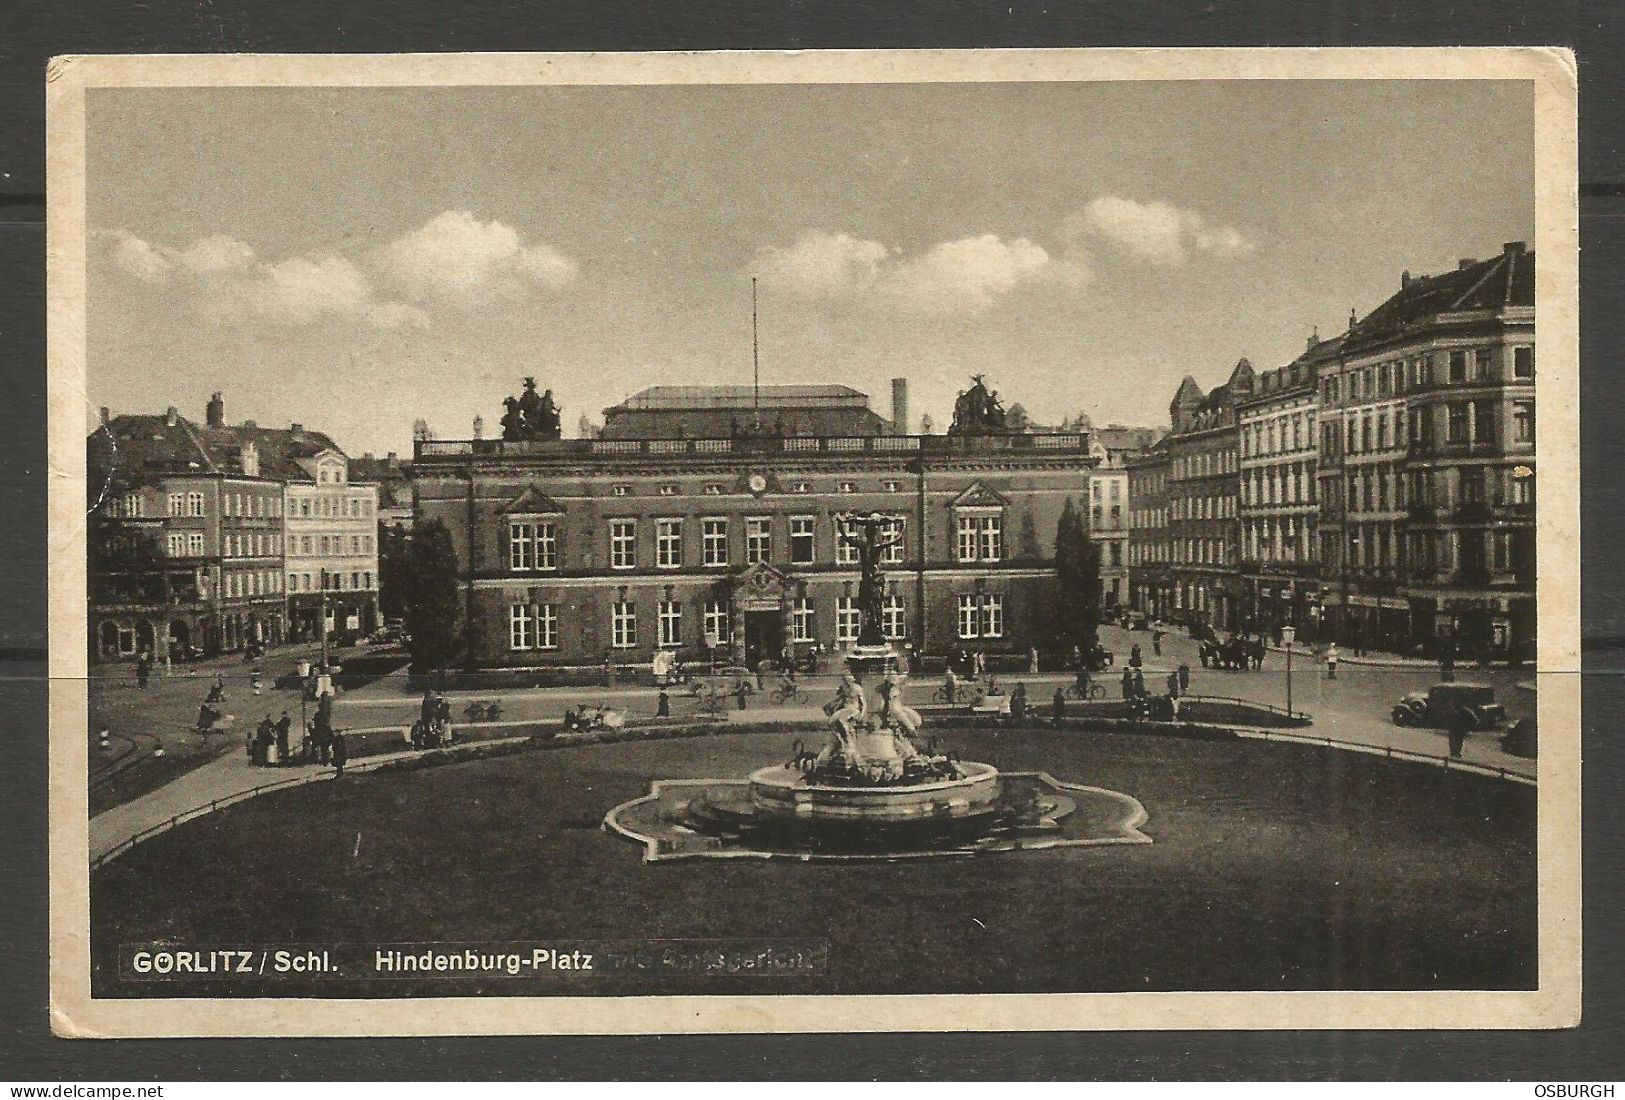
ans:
(1115, 437)
(1494, 284)
(743, 397)
(133, 448)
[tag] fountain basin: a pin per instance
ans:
(786, 792)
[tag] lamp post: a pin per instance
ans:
(1289, 634)
(321, 623)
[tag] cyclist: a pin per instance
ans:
(1084, 683)
(788, 688)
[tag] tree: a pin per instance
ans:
(433, 614)
(1077, 576)
(394, 568)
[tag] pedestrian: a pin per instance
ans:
(1139, 682)
(1331, 660)
(980, 660)
(1173, 694)
(1134, 655)
(1457, 732)
(1184, 679)
(1057, 707)
(1447, 661)
(1032, 660)
(1128, 683)
(143, 669)
(1156, 642)
(740, 691)
(341, 755)
(1278, 635)
(283, 726)
(950, 685)
(663, 706)
(761, 674)
(1257, 648)
(1018, 704)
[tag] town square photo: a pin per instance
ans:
(694, 542)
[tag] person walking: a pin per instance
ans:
(1447, 660)
(950, 685)
(1156, 641)
(1173, 693)
(1139, 681)
(143, 669)
(663, 705)
(1134, 655)
(1057, 707)
(1032, 660)
(1331, 660)
(1018, 704)
(283, 726)
(341, 755)
(1184, 678)
(1128, 683)
(1457, 732)
(740, 692)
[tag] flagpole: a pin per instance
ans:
(755, 358)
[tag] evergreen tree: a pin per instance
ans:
(1077, 575)
(433, 611)
(394, 548)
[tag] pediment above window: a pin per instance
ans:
(532, 502)
(980, 496)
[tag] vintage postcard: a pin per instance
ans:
(858, 541)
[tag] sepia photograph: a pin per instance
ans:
(806, 542)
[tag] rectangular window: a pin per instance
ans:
(194, 504)
(714, 539)
(847, 618)
(521, 546)
(1523, 362)
(801, 621)
(177, 544)
(521, 626)
(970, 616)
(893, 618)
(668, 543)
(758, 539)
(547, 626)
(716, 622)
(1523, 421)
(671, 622)
(177, 504)
(194, 544)
(801, 539)
(845, 552)
(623, 625)
(1458, 366)
(1481, 364)
(992, 538)
(1483, 422)
(1456, 427)
(896, 530)
(966, 542)
(623, 546)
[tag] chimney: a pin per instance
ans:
(170, 414)
(216, 413)
(1464, 264)
(393, 458)
(1314, 338)
(899, 405)
(479, 427)
(250, 424)
(367, 455)
(106, 416)
(249, 457)
(1514, 248)
(1404, 279)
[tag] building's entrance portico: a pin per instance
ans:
(762, 601)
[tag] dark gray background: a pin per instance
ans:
(33, 30)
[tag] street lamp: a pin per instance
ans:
(1289, 634)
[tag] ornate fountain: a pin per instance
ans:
(875, 788)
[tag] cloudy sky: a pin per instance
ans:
(355, 259)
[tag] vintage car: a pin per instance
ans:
(1439, 704)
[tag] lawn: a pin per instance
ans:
(1274, 867)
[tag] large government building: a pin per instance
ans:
(704, 520)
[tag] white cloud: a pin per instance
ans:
(965, 275)
(1157, 232)
(456, 258)
(135, 256)
(225, 280)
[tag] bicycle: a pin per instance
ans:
(788, 693)
(483, 710)
(1080, 691)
